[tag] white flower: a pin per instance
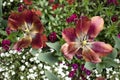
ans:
(2, 54)
(47, 67)
(42, 72)
(13, 73)
(67, 78)
(40, 65)
(11, 0)
(24, 57)
(1, 69)
(26, 63)
(21, 77)
(31, 70)
(31, 59)
(4, 4)
(34, 67)
(22, 68)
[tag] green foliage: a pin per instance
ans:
(114, 54)
(90, 65)
(50, 76)
(48, 57)
(117, 42)
(0, 8)
(45, 57)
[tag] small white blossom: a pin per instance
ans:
(21, 77)
(22, 68)
(31, 70)
(42, 72)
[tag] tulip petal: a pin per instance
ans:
(23, 43)
(101, 48)
(15, 21)
(97, 24)
(68, 50)
(38, 41)
(69, 35)
(82, 25)
(90, 56)
(33, 21)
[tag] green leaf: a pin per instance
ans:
(100, 67)
(114, 53)
(48, 57)
(50, 76)
(117, 42)
(109, 62)
(89, 65)
(12, 37)
(55, 45)
(0, 8)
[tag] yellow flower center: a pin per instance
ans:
(84, 42)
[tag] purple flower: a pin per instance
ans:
(114, 18)
(82, 67)
(118, 35)
(53, 37)
(88, 72)
(75, 66)
(8, 30)
(115, 2)
(72, 18)
(71, 74)
(5, 44)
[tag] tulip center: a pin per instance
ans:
(84, 42)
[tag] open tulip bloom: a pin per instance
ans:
(28, 22)
(80, 40)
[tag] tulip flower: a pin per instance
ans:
(80, 40)
(29, 23)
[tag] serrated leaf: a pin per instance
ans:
(89, 65)
(100, 67)
(109, 62)
(117, 42)
(48, 57)
(50, 75)
(114, 53)
(55, 45)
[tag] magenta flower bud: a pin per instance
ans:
(75, 66)
(72, 18)
(52, 37)
(5, 44)
(8, 30)
(71, 74)
(83, 67)
(88, 72)
(118, 35)
(114, 18)
(115, 2)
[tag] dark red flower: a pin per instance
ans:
(30, 24)
(71, 74)
(55, 6)
(27, 2)
(72, 18)
(115, 2)
(8, 30)
(5, 44)
(114, 18)
(52, 37)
